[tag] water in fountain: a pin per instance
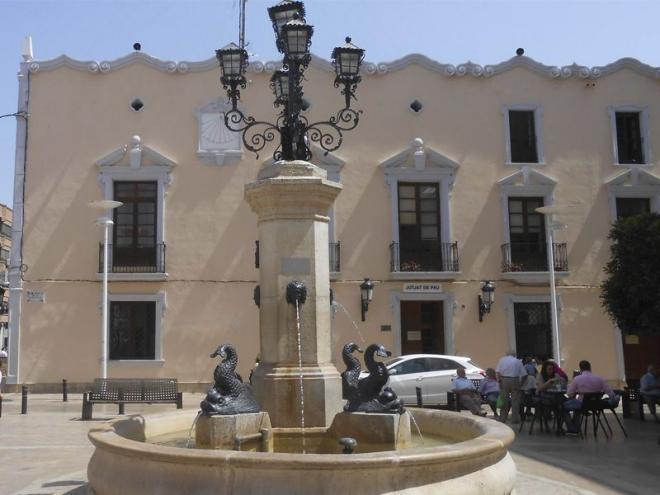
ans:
(192, 428)
(419, 432)
(339, 305)
(300, 371)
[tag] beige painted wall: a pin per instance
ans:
(77, 117)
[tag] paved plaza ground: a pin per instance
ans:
(46, 452)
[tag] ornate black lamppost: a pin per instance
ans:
(293, 39)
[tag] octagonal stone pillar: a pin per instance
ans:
(291, 200)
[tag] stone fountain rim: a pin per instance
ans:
(495, 437)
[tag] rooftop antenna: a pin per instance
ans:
(241, 24)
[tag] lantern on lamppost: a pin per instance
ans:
(283, 12)
(293, 40)
(279, 83)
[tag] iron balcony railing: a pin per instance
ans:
(425, 256)
(533, 257)
(335, 257)
(149, 259)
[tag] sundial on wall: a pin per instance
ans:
(217, 145)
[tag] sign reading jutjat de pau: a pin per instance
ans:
(422, 287)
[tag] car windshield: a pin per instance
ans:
(391, 361)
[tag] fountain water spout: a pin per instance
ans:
(296, 292)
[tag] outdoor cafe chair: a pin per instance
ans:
(531, 406)
(592, 407)
(606, 405)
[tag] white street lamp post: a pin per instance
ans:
(106, 222)
(550, 227)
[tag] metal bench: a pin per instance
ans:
(131, 391)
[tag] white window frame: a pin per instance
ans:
(511, 299)
(449, 305)
(532, 186)
(636, 190)
(641, 193)
(161, 305)
(110, 171)
(442, 171)
(538, 129)
(643, 128)
(546, 192)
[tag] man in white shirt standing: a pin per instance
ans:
(510, 374)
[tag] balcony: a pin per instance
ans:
(528, 262)
(425, 260)
(131, 263)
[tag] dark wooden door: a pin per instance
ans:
(422, 328)
(639, 351)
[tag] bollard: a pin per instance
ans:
(418, 390)
(24, 398)
(0, 406)
(120, 400)
(65, 391)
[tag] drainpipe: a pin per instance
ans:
(16, 257)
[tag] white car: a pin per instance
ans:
(433, 373)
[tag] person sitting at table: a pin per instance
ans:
(489, 389)
(466, 393)
(530, 365)
(586, 382)
(558, 369)
(528, 385)
(549, 378)
(649, 388)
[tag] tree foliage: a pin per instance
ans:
(631, 292)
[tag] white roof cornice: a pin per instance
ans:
(471, 69)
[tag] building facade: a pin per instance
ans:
(441, 181)
(5, 249)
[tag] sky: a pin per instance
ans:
(554, 32)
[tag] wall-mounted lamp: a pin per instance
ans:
(366, 296)
(486, 298)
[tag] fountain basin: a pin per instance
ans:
(478, 463)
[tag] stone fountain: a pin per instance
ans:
(291, 200)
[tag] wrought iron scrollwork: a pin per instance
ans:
(328, 134)
(256, 134)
